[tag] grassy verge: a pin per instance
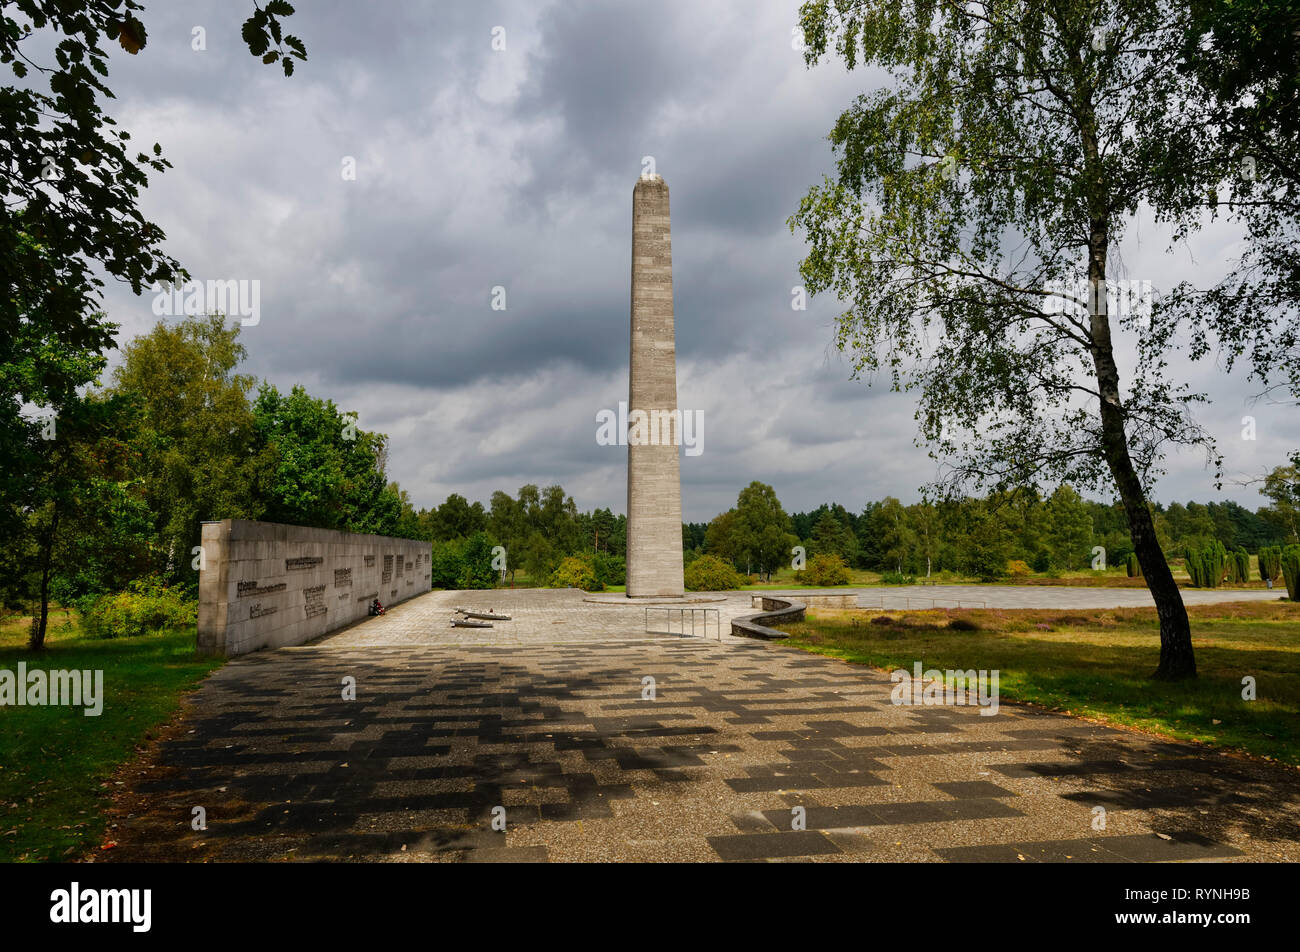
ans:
(55, 762)
(1094, 663)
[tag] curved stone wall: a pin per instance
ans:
(775, 610)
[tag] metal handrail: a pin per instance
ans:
(681, 614)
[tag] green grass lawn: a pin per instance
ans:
(1094, 663)
(56, 763)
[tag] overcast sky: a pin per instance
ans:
(478, 168)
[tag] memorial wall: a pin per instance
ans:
(266, 585)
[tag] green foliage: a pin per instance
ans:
(83, 518)
(1013, 122)
(824, 570)
(148, 606)
(327, 472)
(1206, 566)
(447, 564)
(721, 538)
(893, 539)
(897, 578)
(984, 546)
(1291, 571)
(762, 530)
(1240, 124)
(574, 572)
(1067, 529)
(1018, 569)
(1282, 489)
(709, 573)
(833, 535)
(476, 562)
(1270, 562)
(610, 569)
(456, 518)
(1238, 566)
(463, 563)
(1133, 565)
(196, 449)
(910, 233)
(263, 30)
(757, 534)
(538, 529)
(1053, 536)
(70, 214)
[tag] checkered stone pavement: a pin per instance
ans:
(561, 739)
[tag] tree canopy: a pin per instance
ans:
(971, 231)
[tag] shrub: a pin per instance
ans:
(1019, 569)
(447, 564)
(963, 624)
(463, 563)
(1133, 565)
(1270, 562)
(984, 558)
(1206, 566)
(147, 606)
(1238, 566)
(897, 578)
(824, 570)
(610, 569)
(709, 573)
(1291, 571)
(476, 569)
(574, 572)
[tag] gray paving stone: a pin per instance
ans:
(445, 730)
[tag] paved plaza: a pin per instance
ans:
(538, 616)
(550, 723)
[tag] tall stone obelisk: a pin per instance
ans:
(654, 488)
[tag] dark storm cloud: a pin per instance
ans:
(608, 72)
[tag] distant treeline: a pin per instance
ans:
(975, 537)
(536, 530)
(113, 491)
